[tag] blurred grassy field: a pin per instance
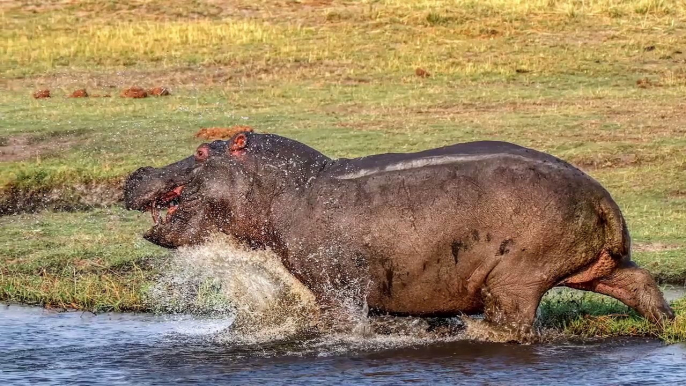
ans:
(598, 83)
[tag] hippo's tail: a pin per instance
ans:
(616, 247)
(617, 239)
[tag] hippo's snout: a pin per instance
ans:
(148, 187)
(134, 188)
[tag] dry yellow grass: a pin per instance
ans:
(340, 37)
(611, 8)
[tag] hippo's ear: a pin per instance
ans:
(238, 143)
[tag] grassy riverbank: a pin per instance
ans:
(599, 83)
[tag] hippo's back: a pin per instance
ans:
(453, 154)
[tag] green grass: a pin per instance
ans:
(556, 75)
(88, 260)
(587, 315)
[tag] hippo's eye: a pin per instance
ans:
(202, 153)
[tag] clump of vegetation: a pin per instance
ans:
(588, 315)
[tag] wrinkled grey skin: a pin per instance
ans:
(482, 227)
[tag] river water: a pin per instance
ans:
(39, 346)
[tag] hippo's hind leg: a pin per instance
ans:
(634, 287)
(511, 302)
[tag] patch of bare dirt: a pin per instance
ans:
(25, 147)
(355, 80)
(40, 94)
(646, 83)
(654, 247)
(605, 161)
(34, 6)
(168, 10)
(486, 107)
(214, 133)
(74, 197)
(580, 37)
(197, 77)
(134, 92)
(310, 3)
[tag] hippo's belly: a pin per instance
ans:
(442, 277)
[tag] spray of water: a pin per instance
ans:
(269, 305)
(225, 279)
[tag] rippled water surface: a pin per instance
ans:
(40, 346)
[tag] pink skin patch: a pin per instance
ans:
(202, 153)
(166, 199)
(238, 146)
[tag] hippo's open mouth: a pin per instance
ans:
(169, 201)
(156, 189)
(173, 196)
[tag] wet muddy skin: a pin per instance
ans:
(45, 347)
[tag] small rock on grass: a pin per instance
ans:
(159, 91)
(422, 73)
(80, 93)
(134, 92)
(40, 94)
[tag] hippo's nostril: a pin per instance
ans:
(132, 186)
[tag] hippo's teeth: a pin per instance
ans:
(154, 211)
(170, 211)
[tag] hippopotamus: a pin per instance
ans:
(473, 228)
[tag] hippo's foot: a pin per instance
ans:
(482, 330)
(634, 287)
(510, 304)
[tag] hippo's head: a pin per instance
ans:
(227, 186)
(170, 187)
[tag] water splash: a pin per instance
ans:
(225, 279)
(269, 307)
